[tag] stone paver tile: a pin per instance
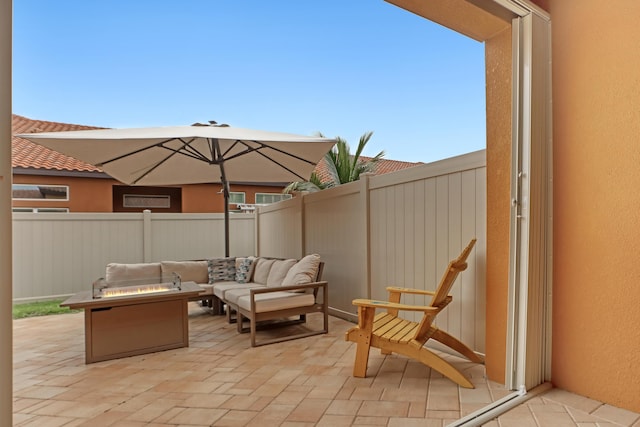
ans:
(275, 412)
(417, 409)
(437, 402)
(414, 422)
(518, 416)
(480, 394)
(443, 415)
(21, 405)
(570, 399)
(206, 400)
(269, 390)
(366, 393)
(38, 392)
(47, 421)
(235, 418)
(384, 409)
(197, 416)
(616, 415)
(323, 392)
(309, 410)
(105, 419)
(73, 409)
(187, 387)
(289, 398)
(155, 410)
(403, 395)
(370, 421)
(329, 420)
(344, 407)
(554, 419)
(581, 417)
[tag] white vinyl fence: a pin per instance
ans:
(61, 254)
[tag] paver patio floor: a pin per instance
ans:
(219, 380)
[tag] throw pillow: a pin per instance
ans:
(304, 271)
(244, 268)
(221, 270)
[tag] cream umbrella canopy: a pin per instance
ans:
(192, 155)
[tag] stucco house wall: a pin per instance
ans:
(596, 279)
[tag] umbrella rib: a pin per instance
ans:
(185, 150)
(261, 146)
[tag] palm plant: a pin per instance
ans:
(342, 166)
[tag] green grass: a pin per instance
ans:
(40, 308)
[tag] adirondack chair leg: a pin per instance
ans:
(456, 345)
(361, 335)
(434, 361)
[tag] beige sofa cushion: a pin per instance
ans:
(261, 270)
(304, 271)
(117, 273)
(278, 272)
(232, 295)
(273, 301)
(189, 271)
(220, 289)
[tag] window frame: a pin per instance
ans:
(65, 187)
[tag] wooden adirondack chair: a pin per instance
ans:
(392, 334)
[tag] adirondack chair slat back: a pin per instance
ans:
(455, 267)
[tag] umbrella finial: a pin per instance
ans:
(211, 123)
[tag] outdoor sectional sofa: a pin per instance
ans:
(256, 289)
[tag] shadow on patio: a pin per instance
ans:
(221, 380)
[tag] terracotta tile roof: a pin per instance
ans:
(25, 154)
(383, 166)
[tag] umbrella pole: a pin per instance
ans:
(219, 159)
(225, 190)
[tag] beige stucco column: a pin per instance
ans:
(6, 285)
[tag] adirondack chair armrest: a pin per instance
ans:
(392, 305)
(409, 291)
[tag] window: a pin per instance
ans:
(39, 192)
(267, 198)
(236, 197)
(139, 198)
(41, 210)
(146, 201)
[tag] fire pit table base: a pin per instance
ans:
(137, 324)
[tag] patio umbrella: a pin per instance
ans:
(191, 155)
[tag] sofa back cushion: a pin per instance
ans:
(304, 271)
(117, 274)
(278, 271)
(221, 269)
(261, 270)
(189, 271)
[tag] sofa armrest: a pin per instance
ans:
(313, 285)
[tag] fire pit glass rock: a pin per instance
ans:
(102, 289)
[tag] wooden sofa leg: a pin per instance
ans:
(230, 314)
(240, 321)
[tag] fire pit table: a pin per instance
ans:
(134, 319)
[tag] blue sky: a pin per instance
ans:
(333, 66)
